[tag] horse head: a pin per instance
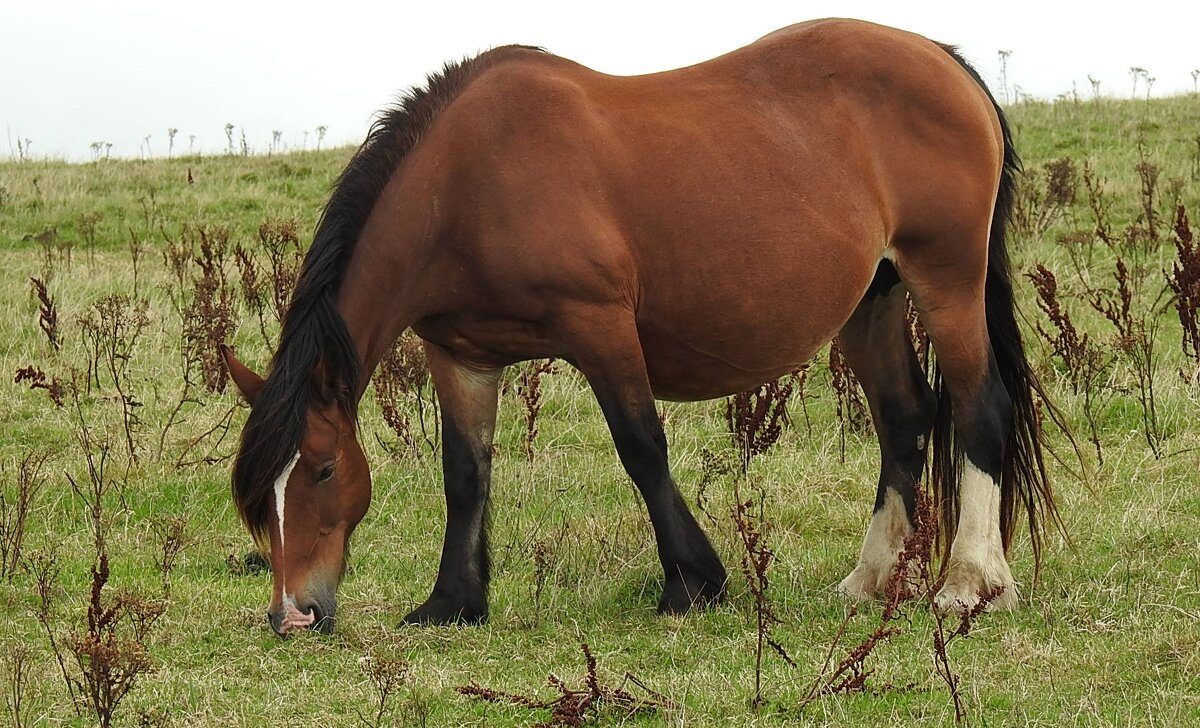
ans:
(301, 511)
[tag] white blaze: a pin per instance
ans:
(280, 492)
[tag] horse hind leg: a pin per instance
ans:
(977, 564)
(878, 349)
(947, 283)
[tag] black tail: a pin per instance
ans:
(1023, 482)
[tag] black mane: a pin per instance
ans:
(313, 330)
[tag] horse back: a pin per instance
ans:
(756, 192)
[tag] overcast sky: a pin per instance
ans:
(73, 73)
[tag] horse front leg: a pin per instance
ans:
(606, 349)
(467, 396)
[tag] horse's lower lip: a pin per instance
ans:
(293, 624)
(296, 619)
(293, 619)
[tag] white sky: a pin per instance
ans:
(72, 73)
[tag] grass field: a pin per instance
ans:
(1109, 635)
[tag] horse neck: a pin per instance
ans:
(374, 300)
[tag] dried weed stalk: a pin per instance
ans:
(1087, 364)
(186, 396)
(400, 378)
(756, 418)
(544, 557)
(387, 673)
(101, 661)
(1100, 205)
(47, 313)
(45, 240)
(16, 658)
(110, 651)
(850, 674)
(254, 288)
(111, 327)
(173, 539)
(575, 706)
(1148, 174)
(282, 245)
(943, 637)
(43, 569)
(87, 228)
(1184, 281)
(208, 320)
(1044, 197)
(799, 382)
(137, 247)
(913, 578)
(756, 561)
(37, 380)
(529, 389)
(177, 258)
(14, 510)
(851, 406)
(96, 450)
(713, 467)
(912, 572)
(1136, 335)
(213, 438)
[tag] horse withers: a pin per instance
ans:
(682, 235)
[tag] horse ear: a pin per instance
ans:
(248, 383)
(325, 389)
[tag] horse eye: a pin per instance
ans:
(325, 474)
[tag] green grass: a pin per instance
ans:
(1108, 636)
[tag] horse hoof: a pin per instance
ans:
(445, 611)
(871, 582)
(681, 595)
(966, 584)
(860, 585)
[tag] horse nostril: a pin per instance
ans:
(322, 622)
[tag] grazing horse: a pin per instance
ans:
(681, 235)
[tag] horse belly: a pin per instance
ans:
(743, 287)
(723, 342)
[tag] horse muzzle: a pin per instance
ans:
(291, 617)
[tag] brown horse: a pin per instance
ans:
(682, 235)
